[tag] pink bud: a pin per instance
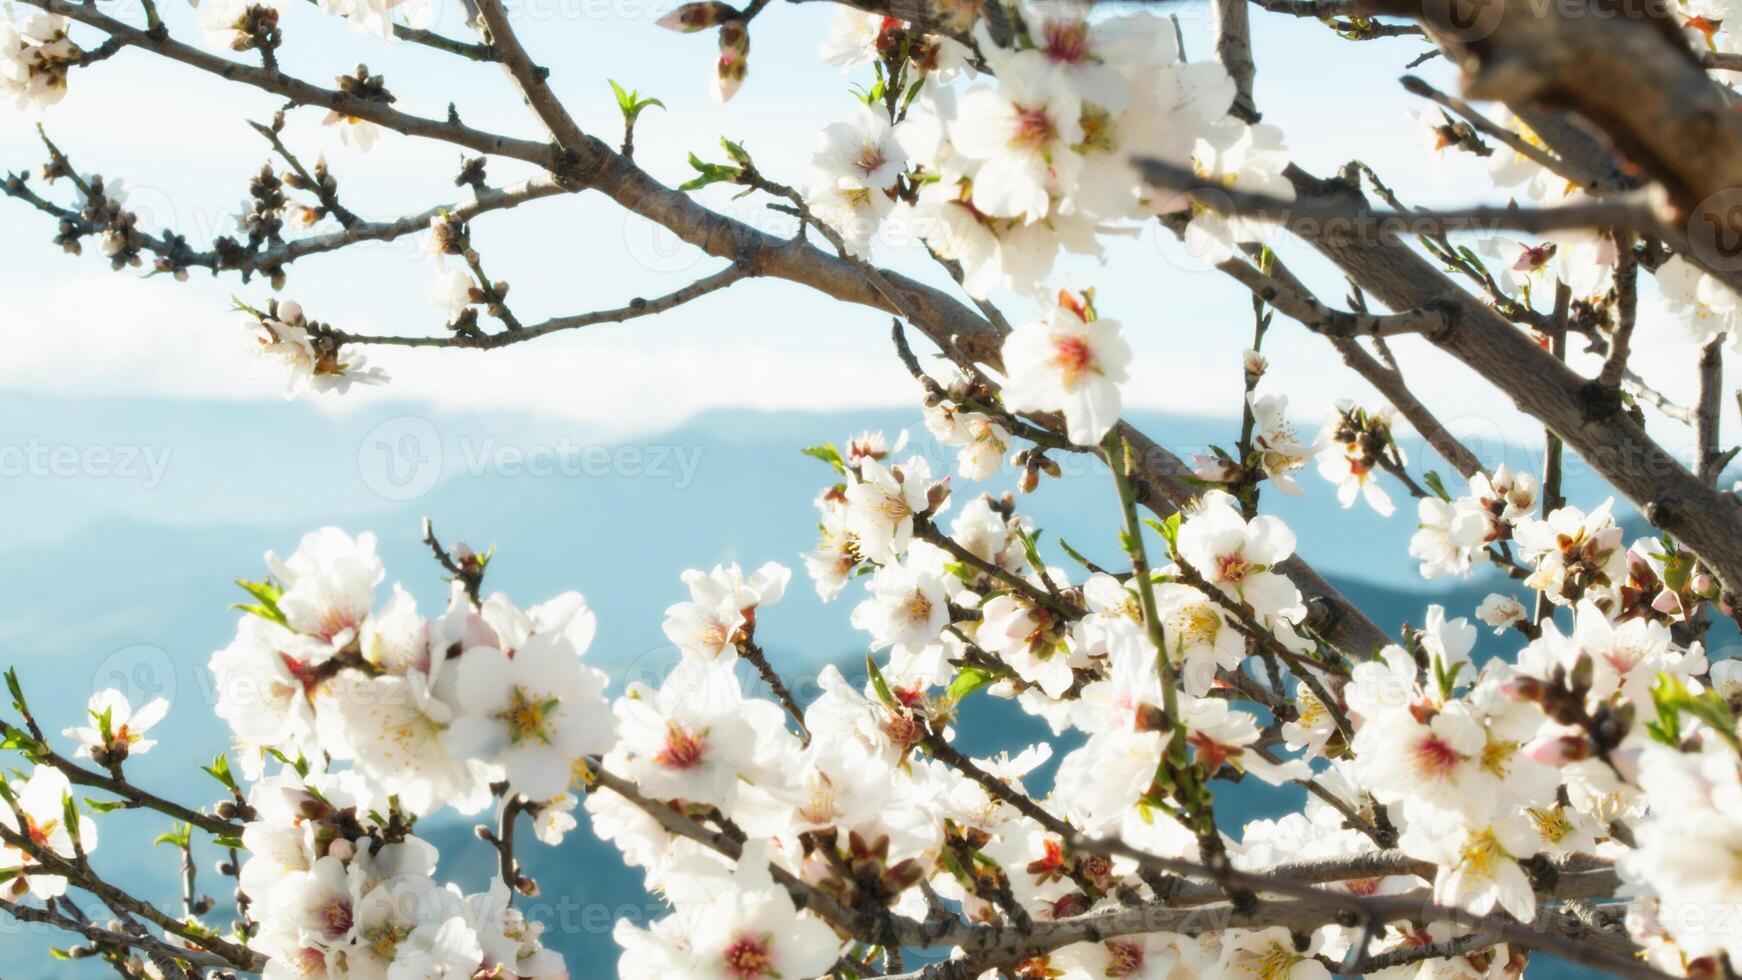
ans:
(692, 17)
(1523, 688)
(729, 77)
(1558, 750)
(290, 311)
(1214, 469)
(341, 849)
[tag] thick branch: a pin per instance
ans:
(1572, 408)
(1356, 219)
(530, 78)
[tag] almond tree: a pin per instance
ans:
(1577, 798)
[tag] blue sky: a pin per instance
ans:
(150, 345)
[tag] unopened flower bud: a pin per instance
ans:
(936, 495)
(1583, 673)
(1523, 688)
(729, 76)
(1558, 750)
(1254, 363)
(734, 38)
(1150, 718)
(1214, 469)
(692, 17)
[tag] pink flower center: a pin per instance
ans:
(1067, 42)
(335, 621)
(1232, 568)
(1034, 128)
(1435, 758)
(1073, 357)
(1123, 958)
(683, 749)
(870, 159)
(310, 961)
(335, 918)
(750, 959)
(1533, 258)
(1623, 659)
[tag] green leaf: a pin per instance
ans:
(1168, 529)
(955, 868)
(1437, 485)
(880, 685)
(1447, 679)
(105, 806)
(220, 770)
(1673, 700)
(709, 173)
(630, 103)
(1030, 550)
(1076, 555)
(267, 594)
(300, 764)
(961, 571)
(736, 151)
(912, 93)
(16, 739)
(828, 454)
(873, 95)
(70, 816)
(15, 689)
(968, 680)
(181, 835)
